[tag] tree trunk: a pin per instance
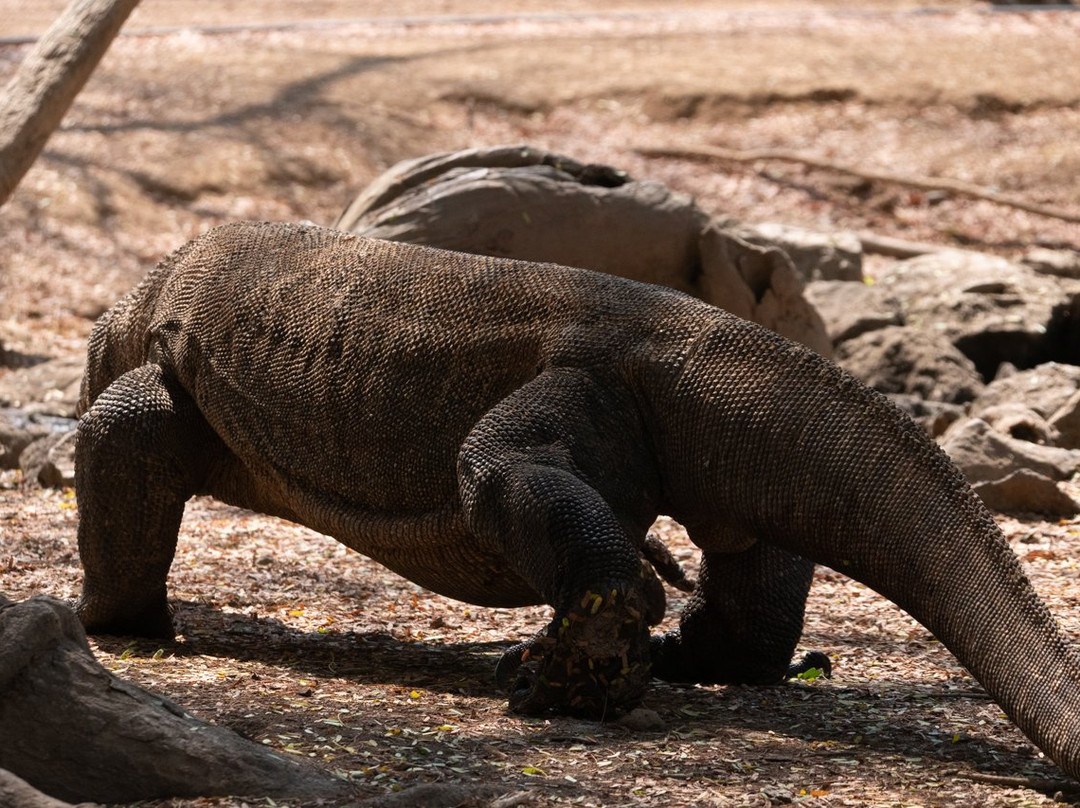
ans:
(39, 94)
(87, 735)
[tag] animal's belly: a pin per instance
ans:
(433, 550)
(430, 547)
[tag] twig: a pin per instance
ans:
(897, 247)
(1045, 785)
(922, 183)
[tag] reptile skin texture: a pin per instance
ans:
(504, 433)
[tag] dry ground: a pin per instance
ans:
(293, 641)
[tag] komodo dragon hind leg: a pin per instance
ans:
(530, 488)
(140, 454)
(743, 621)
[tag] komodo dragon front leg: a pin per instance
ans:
(532, 481)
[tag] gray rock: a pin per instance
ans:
(12, 443)
(899, 359)
(993, 310)
(18, 429)
(1026, 491)
(834, 256)
(642, 719)
(50, 461)
(1020, 422)
(526, 203)
(758, 284)
(17, 793)
(851, 309)
(983, 454)
(520, 202)
(1066, 420)
(1045, 389)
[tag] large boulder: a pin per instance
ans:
(521, 202)
(17, 793)
(50, 461)
(1065, 421)
(1025, 491)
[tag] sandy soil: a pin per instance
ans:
(293, 641)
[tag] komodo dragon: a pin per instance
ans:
(504, 433)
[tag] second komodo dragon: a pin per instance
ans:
(504, 433)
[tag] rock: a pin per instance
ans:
(520, 202)
(933, 416)
(1060, 263)
(1066, 421)
(524, 203)
(50, 461)
(851, 309)
(19, 429)
(833, 256)
(984, 454)
(48, 388)
(12, 443)
(1045, 389)
(991, 309)
(85, 734)
(758, 284)
(1026, 491)
(1020, 422)
(899, 359)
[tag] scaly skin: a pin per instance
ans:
(505, 433)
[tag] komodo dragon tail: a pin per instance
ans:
(775, 444)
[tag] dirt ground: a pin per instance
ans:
(204, 113)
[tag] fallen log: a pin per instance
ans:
(84, 734)
(17, 793)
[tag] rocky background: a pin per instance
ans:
(983, 351)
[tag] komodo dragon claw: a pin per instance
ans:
(592, 660)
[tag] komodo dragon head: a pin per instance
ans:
(505, 433)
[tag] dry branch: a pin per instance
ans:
(896, 247)
(1042, 784)
(922, 183)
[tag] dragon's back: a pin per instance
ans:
(356, 367)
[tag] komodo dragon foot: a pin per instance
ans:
(811, 660)
(591, 660)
